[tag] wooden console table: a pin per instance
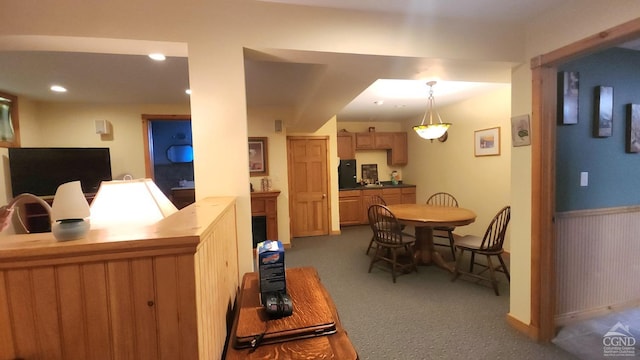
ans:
(265, 203)
(306, 291)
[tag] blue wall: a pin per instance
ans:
(166, 133)
(614, 175)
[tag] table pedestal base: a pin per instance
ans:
(425, 252)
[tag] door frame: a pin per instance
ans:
(543, 157)
(147, 138)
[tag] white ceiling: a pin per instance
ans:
(94, 78)
(496, 10)
(275, 78)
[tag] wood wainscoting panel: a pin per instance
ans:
(216, 265)
(596, 261)
(163, 293)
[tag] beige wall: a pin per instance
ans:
(261, 124)
(478, 183)
(216, 32)
(44, 124)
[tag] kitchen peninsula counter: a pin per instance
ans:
(383, 185)
(160, 291)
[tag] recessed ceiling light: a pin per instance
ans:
(188, 91)
(157, 57)
(58, 88)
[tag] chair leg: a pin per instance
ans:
(374, 258)
(453, 249)
(504, 267)
(394, 263)
(492, 275)
(473, 260)
(456, 270)
(412, 258)
(370, 245)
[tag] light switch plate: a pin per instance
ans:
(584, 178)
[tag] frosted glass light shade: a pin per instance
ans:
(69, 202)
(68, 212)
(431, 131)
(129, 203)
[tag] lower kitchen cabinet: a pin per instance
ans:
(353, 204)
(350, 207)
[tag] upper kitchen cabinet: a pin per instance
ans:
(395, 143)
(374, 140)
(365, 141)
(398, 153)
(346, 145)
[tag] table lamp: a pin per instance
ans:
(69, 212)
(129, 203)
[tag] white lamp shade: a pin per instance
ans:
(129, 203)
(431, 131)
(69, 202)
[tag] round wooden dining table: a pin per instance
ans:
(424, 218)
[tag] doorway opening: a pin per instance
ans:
(169, 153)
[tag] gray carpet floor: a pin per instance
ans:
(423, 315)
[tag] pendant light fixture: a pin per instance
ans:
(431, 131)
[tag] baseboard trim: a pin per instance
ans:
(568, 318)
(531, 331)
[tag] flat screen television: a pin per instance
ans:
(40, 171)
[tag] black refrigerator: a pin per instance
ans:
(347, 174)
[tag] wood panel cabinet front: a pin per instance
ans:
(374, 140)
(392, 196)
(346, 145)
(395, 143)
(350, 207)
(354, 204)
(266, 204)
(365, 141)
(383, 141)
(408, 195)
(398, 155)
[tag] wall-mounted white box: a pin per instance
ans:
(103, 127)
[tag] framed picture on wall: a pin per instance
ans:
(521, 130)
(633, 128)
(9, 125)
(487, 142)
(603, 115)
(568, 86)
(258, 156)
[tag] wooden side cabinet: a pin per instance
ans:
(265, 203)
